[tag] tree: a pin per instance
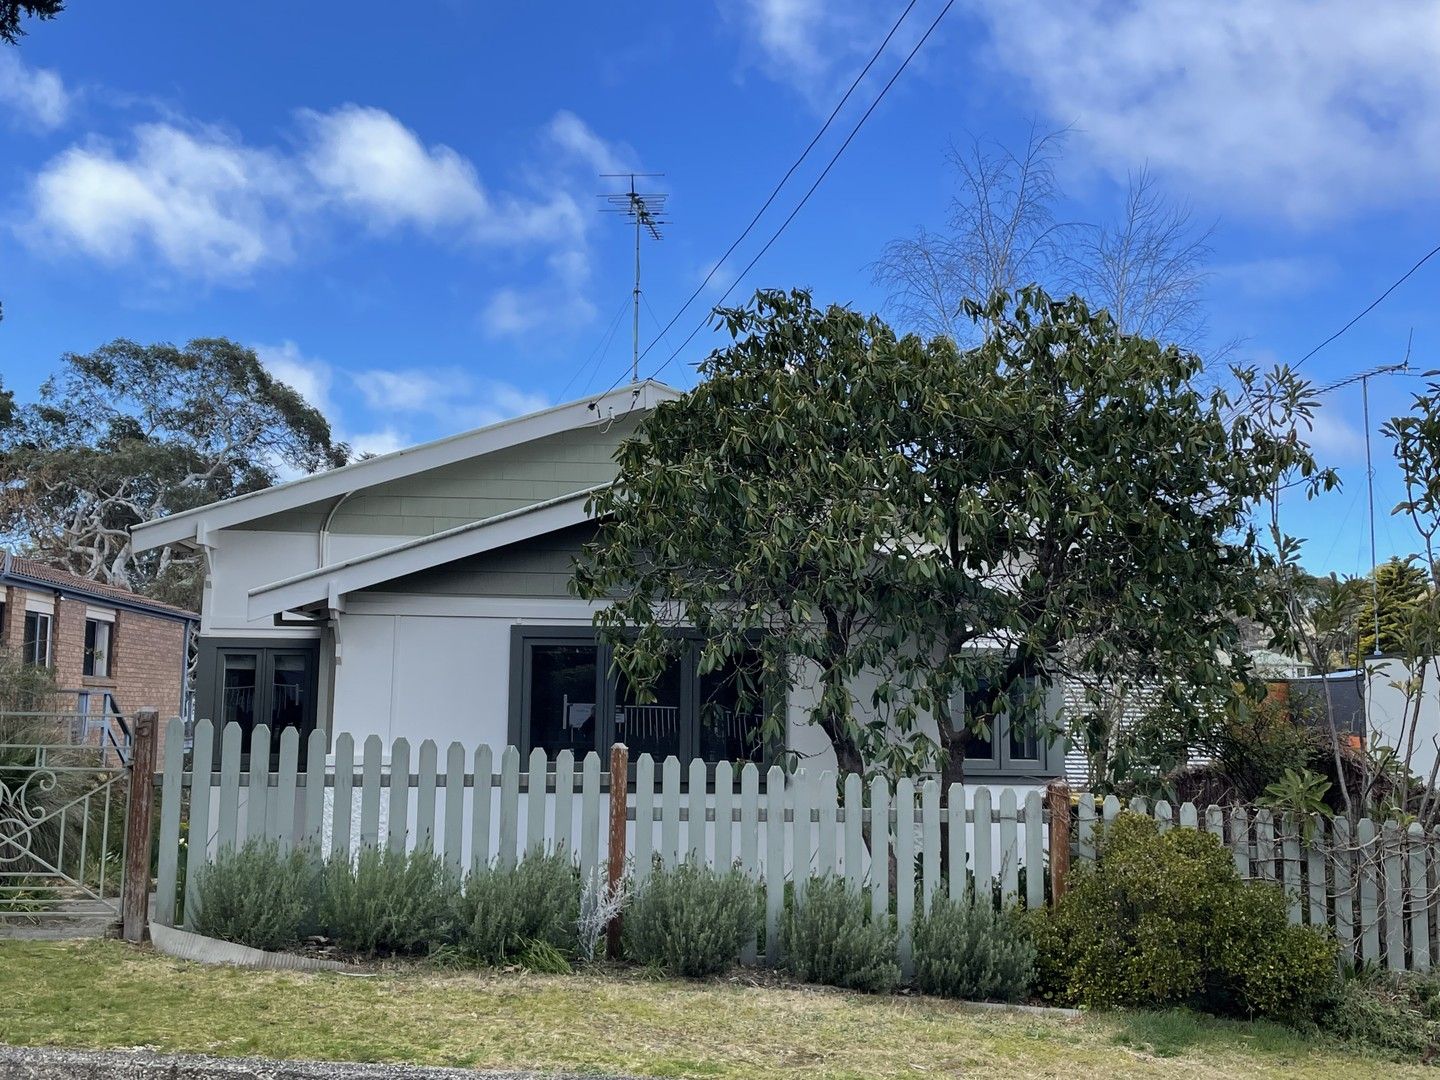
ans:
(1058, 500)
(1003, 231)
(1400, 589)
(11, 10)
(131, 432)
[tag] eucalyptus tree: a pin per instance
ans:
(885, 521)
(131, 432)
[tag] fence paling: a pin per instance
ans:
(1375, 885)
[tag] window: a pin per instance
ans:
(275, 686)
(99, 636)
(565, 695)
(1023, 746)
(36, 646)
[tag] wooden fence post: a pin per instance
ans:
(135, 895)
(619, 787)
(1057, 796)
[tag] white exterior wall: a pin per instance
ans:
(438, 667)
(1389, 718)
(241, 559)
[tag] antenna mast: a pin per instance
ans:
(646, 209)
(1363, 378)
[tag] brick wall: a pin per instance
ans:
(147, 662)
(146, 653)
(13, 631)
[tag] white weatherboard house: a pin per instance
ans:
(424, 594)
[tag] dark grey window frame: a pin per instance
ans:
(524, 636)
(209, 685)
(1001, 764)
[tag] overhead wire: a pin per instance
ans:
(775, 191)
(854, 131)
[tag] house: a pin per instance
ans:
(112, 650)
(425, 594)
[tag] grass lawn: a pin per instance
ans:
(102, 994)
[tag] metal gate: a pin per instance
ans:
(62, 832)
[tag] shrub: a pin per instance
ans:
(969, 950)
(258, 897)
(691, 920)
(504, 910)
(1163, 919)
(1396, 1014)
(388, 902)
(828, 937)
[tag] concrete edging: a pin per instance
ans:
(185, 945)
(48, 1063)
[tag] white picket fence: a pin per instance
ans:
(1376, 886)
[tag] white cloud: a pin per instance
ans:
(1275, 276)
(558, 303)
(1305, 108)
(31, 96)
(385, 441)
(1333, 438)
(402, 406)
(450, 397)
(405, 391)
(308, 376)
(199, 201)
(817, 46)
(578, 139)
(203, 203)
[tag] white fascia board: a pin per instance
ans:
(191, 525)
(330, 584)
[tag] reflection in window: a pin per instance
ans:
(562, 698)
(98, 635)
(732, 716)
(1020, 724)
(36, 647)
(290, 690)
(237, 689)
(654, 727)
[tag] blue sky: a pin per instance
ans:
(397, 207)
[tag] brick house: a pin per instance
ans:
(107, 645)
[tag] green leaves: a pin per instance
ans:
(1061, 500)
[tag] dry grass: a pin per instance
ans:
(104, 995)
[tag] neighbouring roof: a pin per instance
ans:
(191, 526)
(17, 569)
(329, 584)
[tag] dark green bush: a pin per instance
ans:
(258, 897)
(691, 920)
(829, 937)
(1396, 1014)
(388, 902)
(1163, 919)
(968, 950)
(504, 910)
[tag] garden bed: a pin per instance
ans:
(101, 995)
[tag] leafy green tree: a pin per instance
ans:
(1060, 499)
(131, 432)
(10, 11)
(1400, 588)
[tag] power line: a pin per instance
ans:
(818, 180)
(786, 178)
(1372, 306)
(783, 181)
(596, 352)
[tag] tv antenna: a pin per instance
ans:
(1363, 378)
(646, 209)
